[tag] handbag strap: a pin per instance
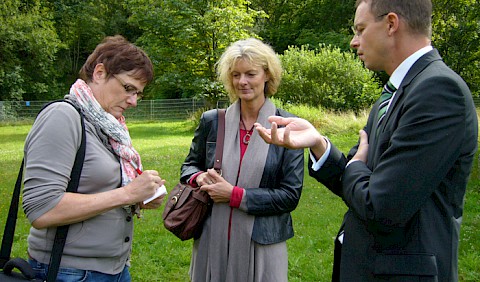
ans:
(62, 231)
(7, 240)
(61, 234)
(220, 138)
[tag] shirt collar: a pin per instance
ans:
(401, 71)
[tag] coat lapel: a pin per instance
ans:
(414, 71)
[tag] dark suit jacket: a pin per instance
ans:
(406, 203)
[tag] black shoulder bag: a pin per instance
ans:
(7, 263)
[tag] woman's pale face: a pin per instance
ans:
(112, 93)
(248, 81)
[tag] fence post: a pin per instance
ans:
(151, 109)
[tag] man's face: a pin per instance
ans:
(370, 38)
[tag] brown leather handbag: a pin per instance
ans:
(187, 207)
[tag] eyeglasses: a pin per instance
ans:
(129, 89)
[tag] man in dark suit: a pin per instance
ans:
(404, 182)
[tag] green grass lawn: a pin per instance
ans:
(160, 256)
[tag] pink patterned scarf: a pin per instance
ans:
(81, 94)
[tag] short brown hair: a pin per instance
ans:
(417, 13)
(118, 55)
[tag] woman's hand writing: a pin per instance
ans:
(143, 187)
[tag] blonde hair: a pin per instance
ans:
(256, 53)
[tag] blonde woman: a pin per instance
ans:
(244, 237)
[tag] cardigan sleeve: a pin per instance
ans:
(50, 150)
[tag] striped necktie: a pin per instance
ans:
(387, 94)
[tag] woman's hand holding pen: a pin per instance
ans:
(216, 186)
(144, 187)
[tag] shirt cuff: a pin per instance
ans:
(236, 197)
(316, 165)
(351, 161)
(192, 181)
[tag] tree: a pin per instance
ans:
(81, 25)
(456, 29)
(186, 38)
(43, 44)
(28, 44)
(281, 28)
(310, 22)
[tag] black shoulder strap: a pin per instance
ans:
(62, 231)
(7, 240)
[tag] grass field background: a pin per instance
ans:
(160, 256)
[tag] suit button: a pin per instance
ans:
(127, 239)
(129, 218)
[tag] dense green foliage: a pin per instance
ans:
(44, 43)
(185, 39)
(457, 35)
(307, 22)
(327, 77)
(28, 45)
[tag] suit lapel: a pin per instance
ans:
(414, 71)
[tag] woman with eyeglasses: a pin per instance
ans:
(112, 187)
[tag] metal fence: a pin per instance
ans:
(165, 109)
(476, 100)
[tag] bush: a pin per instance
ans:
(7, 112)
(326, 77)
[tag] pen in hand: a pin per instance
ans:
(158, 192)
(134, 165)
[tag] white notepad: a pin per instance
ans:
(160, 191)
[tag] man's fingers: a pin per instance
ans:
(274, 118)
(274, 134)
(279, 120)
(363, 137)
(286, 136)
(362, 151)
(263, 132)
